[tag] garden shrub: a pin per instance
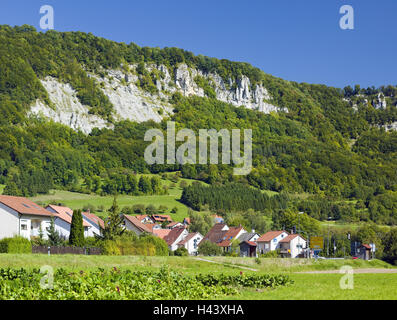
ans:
(15, 245)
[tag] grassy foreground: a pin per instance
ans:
(306, 286)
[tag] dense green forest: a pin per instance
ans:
(328, 146)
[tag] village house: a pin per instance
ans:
(96, 224)
(270, 241)
(191, 242)
(21, 217)
(248, 245)
(175, 236)
(292, 246)
(63, 220)
(173, 225)
(144, 218)
(132, 223)
(224, 236)
(248, 249)
(161, 218)
(161, 233)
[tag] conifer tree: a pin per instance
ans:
(76, 237)
(53, 235)
(114, 223)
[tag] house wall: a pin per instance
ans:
(131, 227)
(182, 236)
(93, 230)
(272, 245)
(190, 244)
(62, 227)
(295, 251)
(9, 222)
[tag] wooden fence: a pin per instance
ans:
(65, 250)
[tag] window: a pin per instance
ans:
(24, 227)
(25, 205)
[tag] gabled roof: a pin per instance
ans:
(24, 206)
(173, 235)
(161, 218)
(161, 233)
(229, 236)
(188, 238)
(290, 237)
(250, 243)
(216, 233)
(247, 236)
(137, 223)
(173, 224)
(65, 214)
(269, 236)
(94, 218)
(142, 217)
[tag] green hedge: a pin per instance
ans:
(15, 245)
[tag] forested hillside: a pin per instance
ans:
(330, 146)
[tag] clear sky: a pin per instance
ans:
(296, 40)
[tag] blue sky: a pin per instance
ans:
(294, 40)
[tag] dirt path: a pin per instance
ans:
(227, 264)
(363, 270)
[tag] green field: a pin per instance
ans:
(79, 200)
(306, 286)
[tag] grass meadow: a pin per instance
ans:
(306, 286)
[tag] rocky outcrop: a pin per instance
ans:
(130, 102)
(380, 102)
(68, 109)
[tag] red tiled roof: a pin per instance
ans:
(161, 233)
(229, 236)
(173, 235)
(251, 243)
(24, 206)
(216, 234)
(65, 214)
(95, 219)
(291, 237)
(269, 236)
(173, 224)
(138, 224)
(188, 237)
(161, 218)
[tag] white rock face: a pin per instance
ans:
(391, 126)
(380, 103)
(69, 111)
(132, 103)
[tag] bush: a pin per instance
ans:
(130, 244)
(15, 245)
(271, 254)
(207, 248)
(181, 252)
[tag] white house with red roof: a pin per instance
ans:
(270, 241)
(96, 224)
(21, 217)
(191, 242)
(292, 246)
(134, 224)
(175, 236)
(63, 221)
